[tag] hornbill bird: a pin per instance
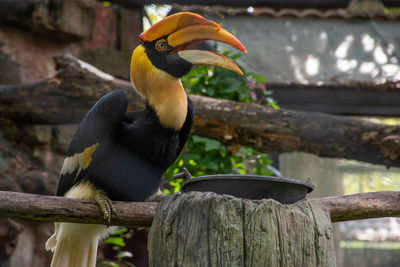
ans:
(120, 155)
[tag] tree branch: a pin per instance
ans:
(77, 86)
(139, 214)
(61, 209)
(362, 206)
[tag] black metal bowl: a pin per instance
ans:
(284, 190)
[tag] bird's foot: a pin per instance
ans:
(106, 205)
(155, 198)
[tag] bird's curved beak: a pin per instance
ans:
(185, 29)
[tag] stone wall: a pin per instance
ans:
(31, 33)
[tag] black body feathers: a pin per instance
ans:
(129, 150)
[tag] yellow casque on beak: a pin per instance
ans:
(182, 30)
(204, 32)
(172, 23)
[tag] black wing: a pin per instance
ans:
(130, 167)
(187, 126)
(99, 125)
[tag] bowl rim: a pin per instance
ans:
(309, 185)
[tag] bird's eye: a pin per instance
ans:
(161, 45)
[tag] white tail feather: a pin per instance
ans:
(75, 245)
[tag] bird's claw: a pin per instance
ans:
(106, 206)
(155, 198)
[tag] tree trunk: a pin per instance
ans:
(207, 229)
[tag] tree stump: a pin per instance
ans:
(208, 229)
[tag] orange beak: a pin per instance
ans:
(183, 30)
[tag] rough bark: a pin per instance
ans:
(54, 209)
(269, 130)
(60, 209)
(352, 98)
(77, 86)
(207, 229)
(362, 206)
(63, 99)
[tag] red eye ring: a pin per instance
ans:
(161, 45)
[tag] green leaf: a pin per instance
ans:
(167, 191)
(258, 77)
(123, 254)
(212, 145)
(120, 231)
(235, 56)
(198, 139)
(213, 166)
(210, 91)
(115, 240)
(110, 263)
(272, 103)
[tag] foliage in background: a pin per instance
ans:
(117, 240)
(203, 156)
(154, 13)
(369, 245)
(221, 83)
(369, 181)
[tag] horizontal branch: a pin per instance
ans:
(61, 209)
(78, 85)
(140, 214)
(362, 206)
(353, 98)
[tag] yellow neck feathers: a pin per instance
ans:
(163, 92)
